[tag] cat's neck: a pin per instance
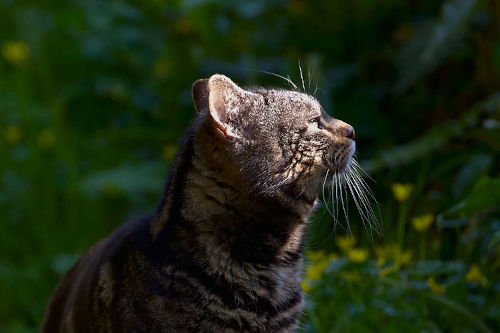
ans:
(212, 210)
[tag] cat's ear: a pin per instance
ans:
(200, 94)
(225, 100)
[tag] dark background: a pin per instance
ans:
(94, 96)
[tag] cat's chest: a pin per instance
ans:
(266, 295)
(255, 300)
(274, 302)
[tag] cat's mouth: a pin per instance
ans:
(342, 158)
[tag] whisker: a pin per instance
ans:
(302, 77)
(336, 196)
(360, 193)
(323, 190)
(360, 170)
(364, 208)
(357, 172)
(335, 200)
(344, 206)
(332, 196)
(309, 76)
(366, 189)
(360, 189)
(329, 235)
(345, 192)
(287, 79)
(356, 200)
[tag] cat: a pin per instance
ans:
(223, 251)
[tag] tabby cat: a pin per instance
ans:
(223, 251)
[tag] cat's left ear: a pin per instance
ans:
(225, 101)
(200, 94)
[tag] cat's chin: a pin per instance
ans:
(342, 167)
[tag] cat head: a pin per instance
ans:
(281, 140)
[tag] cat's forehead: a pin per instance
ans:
(296, 98)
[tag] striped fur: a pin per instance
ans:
(223, 252)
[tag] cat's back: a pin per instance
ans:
(132, 282)
(88, 288)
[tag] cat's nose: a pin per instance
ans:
(340, 128)
(350, 133)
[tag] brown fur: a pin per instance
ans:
(223, 252)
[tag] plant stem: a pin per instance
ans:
(422, 247)
(403, 212)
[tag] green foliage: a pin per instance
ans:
(403, 300)
(95, 95)
(484, 195)
(433, 42)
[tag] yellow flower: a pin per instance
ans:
(12, 134)
(358, 255)
(169, 152)
(16, 52)
(423, 222)
(345, 242)
(306, 287)
(315, 256)
(46, 138)
(474, 274)
(381, 255)
(394, 253)
(381, 261)
(402, 191)
(402, 258)
(315, 271)
(435, 287)
(319, 261)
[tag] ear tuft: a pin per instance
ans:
(200, 94)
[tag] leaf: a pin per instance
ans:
(484, 195)
(460, 309)
(434, 139)
(478, 165)
(428, 267)
(336, 265)
(495, 240)
(433, 42)
(452, 223)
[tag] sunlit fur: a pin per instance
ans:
(343, 178)
(224, 250)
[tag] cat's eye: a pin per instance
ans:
(314, 123)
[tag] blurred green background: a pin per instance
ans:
(94, 96)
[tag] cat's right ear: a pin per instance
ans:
(200, 94)
(225, 100)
